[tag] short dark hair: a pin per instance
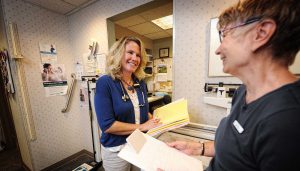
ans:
(46, 65)
(285, 42)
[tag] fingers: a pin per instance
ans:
(175, 144)
(179, 145)
(171, 144)
(155, 119)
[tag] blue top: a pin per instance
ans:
(110, 107)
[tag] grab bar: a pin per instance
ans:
(69, 93)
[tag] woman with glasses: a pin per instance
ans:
(121, 100)
(259, 41)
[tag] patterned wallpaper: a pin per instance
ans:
(190, 53)
(90, 23)
(60, 135)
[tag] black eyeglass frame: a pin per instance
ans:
(248, 21)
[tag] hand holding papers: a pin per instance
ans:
(150, 154)
(173, 115)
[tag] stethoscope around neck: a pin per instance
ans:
(125, 97)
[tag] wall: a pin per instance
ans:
(162, 43)
(190, 58)
(121, 31)
(16, 114)
(90, 23)
(58, 135)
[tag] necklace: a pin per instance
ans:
(130, 87)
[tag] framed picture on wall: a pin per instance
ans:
(164, 52)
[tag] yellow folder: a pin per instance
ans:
(172, 115)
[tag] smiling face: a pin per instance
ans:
(131, 58)
(234, 50)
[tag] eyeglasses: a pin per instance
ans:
(249, 21)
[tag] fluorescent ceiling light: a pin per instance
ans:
(164, 22)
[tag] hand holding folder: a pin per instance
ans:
(173, 115)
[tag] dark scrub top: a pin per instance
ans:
(271, 137)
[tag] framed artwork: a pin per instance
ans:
(164, 52)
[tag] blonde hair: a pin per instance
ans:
(116, 53)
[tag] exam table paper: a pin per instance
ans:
(156, 154)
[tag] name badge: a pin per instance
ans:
(238, 126)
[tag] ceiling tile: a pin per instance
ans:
(157, 35)
(131, 21)
(76, 2)
(159, 12)
(145, 28)
(169, 31)
(53, 5)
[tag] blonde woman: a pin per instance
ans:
(121, 100)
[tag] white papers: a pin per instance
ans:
(136, 140)
(48, 53)
(162, 77)
(79, 70)
(101, 61)
(94, 65)
(56, 90)
(90, 64)
(156, 154)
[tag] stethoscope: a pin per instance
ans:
(125, 97)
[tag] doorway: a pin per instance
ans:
(10, 156)
(142, 22)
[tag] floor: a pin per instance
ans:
(73, 161)
(10, 161)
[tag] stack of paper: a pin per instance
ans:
(173, 115)
(146, 153)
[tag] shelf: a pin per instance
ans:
(148, 75)
(220, 102)
(149, 63)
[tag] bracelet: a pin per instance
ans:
(203, 149)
